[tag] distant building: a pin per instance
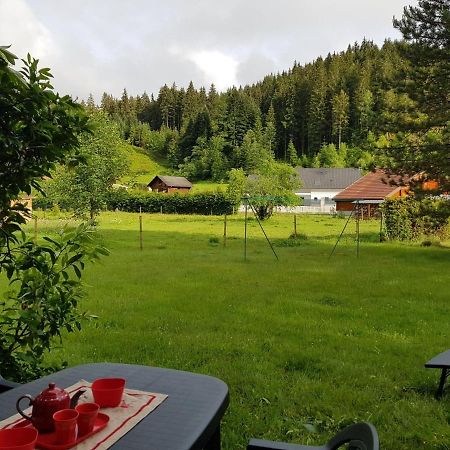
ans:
(319, 186)
(375, 187)
(162, 183)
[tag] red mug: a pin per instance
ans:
(18, 438)
(87, 413)
(108, 392)
(65, 422)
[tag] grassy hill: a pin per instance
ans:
(144, 166)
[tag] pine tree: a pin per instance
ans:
(340, 106)
(427, 30)
(90, 103)
(269, 133)
(190, 105)
(316, 109)
(292, 154)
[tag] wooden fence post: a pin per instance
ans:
(140, 229)
(225, 230)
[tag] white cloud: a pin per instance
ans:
(107, 45)
(217, 68)
(21, 28)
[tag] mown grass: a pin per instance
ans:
(306, 344)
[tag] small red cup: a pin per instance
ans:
(87, 413)
(18, 438)
(65, 421)
(108, 392)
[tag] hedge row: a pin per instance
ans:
(408, 218)
(216, 203)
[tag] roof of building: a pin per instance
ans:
(179, 182)
(327, 178)
(375, 185)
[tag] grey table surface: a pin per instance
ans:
(186, 420)
(439, 361)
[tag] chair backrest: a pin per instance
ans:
(359, 436)
(6, 385)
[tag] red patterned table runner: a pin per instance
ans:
(134, 407)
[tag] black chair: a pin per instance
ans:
(360, 436)
(6, 385)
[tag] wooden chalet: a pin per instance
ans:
(162, 183)
(372, 189)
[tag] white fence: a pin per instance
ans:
(322, 209)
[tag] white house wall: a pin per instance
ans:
(319, 194)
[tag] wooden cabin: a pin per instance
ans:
(163, 183)
(371, 190)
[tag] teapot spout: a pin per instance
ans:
(75, 398)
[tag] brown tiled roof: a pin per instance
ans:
(374, 186)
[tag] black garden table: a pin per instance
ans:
(441, 361)
(189, 419)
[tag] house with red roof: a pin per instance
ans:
(373, 188)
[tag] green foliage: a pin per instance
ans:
(426, 28)
(38, 129)
(399, 217)
(216, 203)
(272, 184)
(292, 155)
(42, 301)
(348, 97)
(407, 218)
(340, 108)
(207, 160)
(84, 188)
(329, 156)
(236, 185)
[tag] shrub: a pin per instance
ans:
(408, 218)
(44, 290)
(205, 203)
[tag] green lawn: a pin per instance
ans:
(306, 344)
(142, 166)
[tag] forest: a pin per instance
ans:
(343, 110)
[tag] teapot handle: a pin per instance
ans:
(30, 398)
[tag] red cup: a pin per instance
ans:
(18, 438)
(87, 413)
(65, 421)
(108, 392)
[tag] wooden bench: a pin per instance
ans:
(441, 361)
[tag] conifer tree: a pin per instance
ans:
(316, 108)
(269, 133)
(340, 106)
(292, 154)
(426, 28)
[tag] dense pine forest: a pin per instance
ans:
(338, 111)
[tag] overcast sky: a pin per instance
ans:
(94, 46)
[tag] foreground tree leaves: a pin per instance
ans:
(38, 129)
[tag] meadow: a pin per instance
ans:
(307, 344)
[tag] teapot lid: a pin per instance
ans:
(52, 392)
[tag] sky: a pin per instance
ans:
(96, 46)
